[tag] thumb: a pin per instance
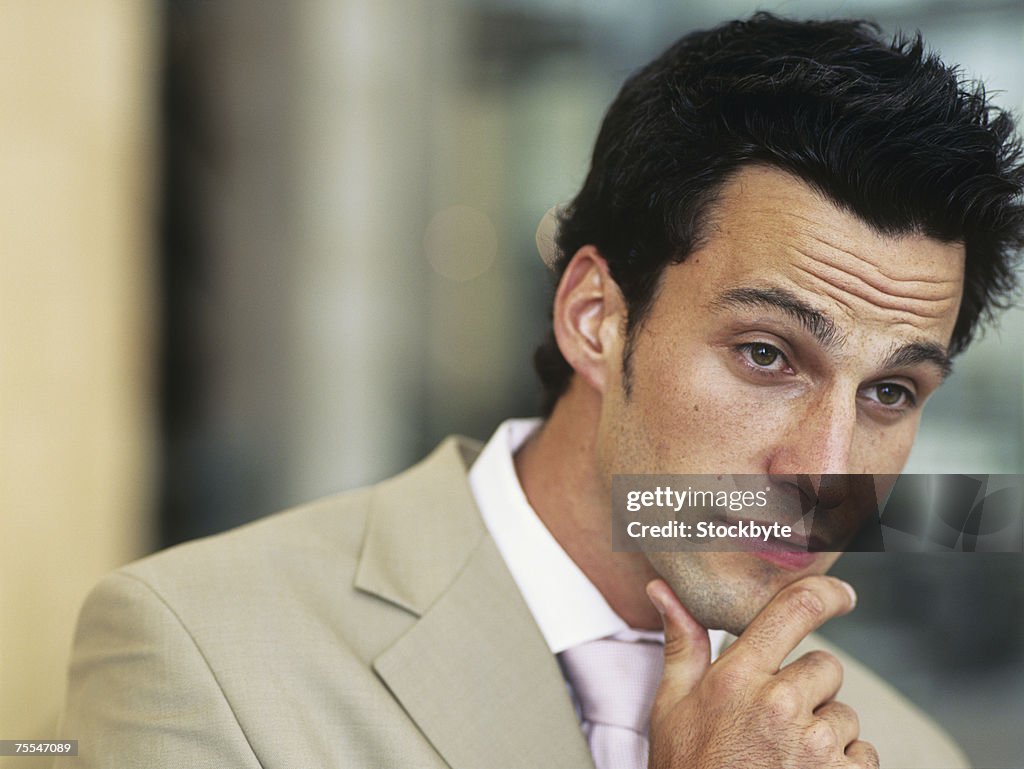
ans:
(687, 646)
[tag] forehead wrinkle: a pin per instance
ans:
(817, 323)
(902, 288)
(817, 232)
(924, 308)
(876, 268)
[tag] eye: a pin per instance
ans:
(892, 395)
(763, 356)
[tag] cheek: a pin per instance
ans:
(884, 449)
(703, 418)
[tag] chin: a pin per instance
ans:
(725, 591)
(721, 611)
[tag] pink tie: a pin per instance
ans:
(615, 682)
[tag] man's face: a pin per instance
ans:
(796, 339)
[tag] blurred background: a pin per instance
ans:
(254, 253)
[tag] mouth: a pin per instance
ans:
(793, 554)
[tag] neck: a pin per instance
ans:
(558, 469)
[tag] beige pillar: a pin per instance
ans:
(76, 326)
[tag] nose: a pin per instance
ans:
(814, 456)
(820, 438)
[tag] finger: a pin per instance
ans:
(817, 676)
(863, 755)
(687, 646)
(795, 611)
(843, 721)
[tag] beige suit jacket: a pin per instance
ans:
(379, 628)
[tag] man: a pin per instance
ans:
(787, 231)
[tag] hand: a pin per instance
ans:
(743, 710)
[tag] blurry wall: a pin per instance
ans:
(76, 89)
(348, 257)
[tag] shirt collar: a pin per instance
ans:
(567, 607)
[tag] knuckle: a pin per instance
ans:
(822, 658)
(821, 739)
(806, 603)
(847, 713)
(827, 662)
(869, 754)
(676, 648)
(783, 701)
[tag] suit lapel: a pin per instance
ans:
(474, 671)
(479, 680)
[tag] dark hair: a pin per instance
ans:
(885, 130)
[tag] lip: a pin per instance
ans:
(793, 560)
(793, 554)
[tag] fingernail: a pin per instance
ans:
(849, 589)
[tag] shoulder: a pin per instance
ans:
(305, 555)
(283, 549)
(904, 735)
(301, 569)
(192, 637)
(249, 636)
(283, 581)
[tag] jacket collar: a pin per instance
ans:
(473, 672)
(422, 528)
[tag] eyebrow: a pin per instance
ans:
(823, 328)
(920, 352)
(815, 322)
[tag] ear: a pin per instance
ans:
(589, 318)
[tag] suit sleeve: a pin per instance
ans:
(140, 693)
